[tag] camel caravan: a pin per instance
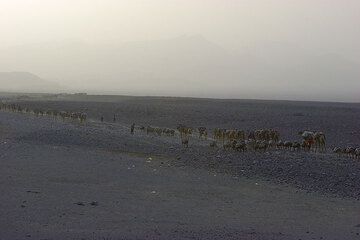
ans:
(64, 115)
(239, 140)
(159, 131)
(348, 151)
(267, 139)
(184, 132)
(260, 140)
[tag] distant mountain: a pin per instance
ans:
(191, 66)
(26, 82)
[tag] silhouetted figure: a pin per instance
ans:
(132, 128)
(102, 118)
(114, 119)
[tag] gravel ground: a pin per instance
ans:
(326, 173)
(62, 180)
(340, 121)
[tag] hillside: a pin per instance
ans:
(25, 82)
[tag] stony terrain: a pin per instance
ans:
(340, 121)
(65, 180)
(326, 173)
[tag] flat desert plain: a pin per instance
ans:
(94, 180)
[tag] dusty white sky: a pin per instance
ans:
(319, 26)
(318, 23)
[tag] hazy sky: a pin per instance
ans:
(316, 26)
(330, 24)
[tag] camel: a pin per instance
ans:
(320, 141)
(202, 132)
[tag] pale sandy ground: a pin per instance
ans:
(42, 180)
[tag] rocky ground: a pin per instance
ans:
(65, 180)
(340, 121)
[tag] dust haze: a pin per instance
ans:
(275, 49)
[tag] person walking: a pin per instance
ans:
(132, 128)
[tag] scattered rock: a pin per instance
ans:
(35, 192)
